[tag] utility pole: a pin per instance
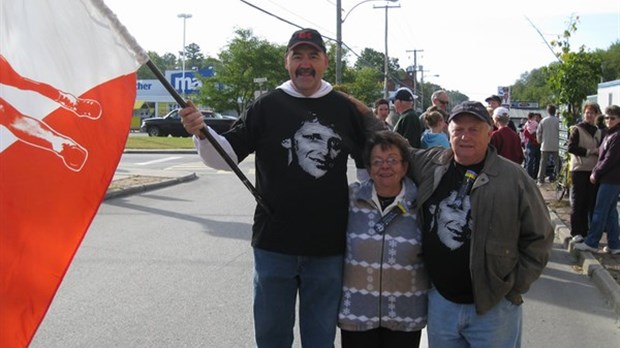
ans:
(415, 69)
(386, 58)
(338, 42)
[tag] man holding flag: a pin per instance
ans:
(302, 134)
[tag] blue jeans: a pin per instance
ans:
(455, 325)
(605, 217)
(532, 159)
(277, 280)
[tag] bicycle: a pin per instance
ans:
(563, 182)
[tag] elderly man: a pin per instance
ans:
(506, 141)
(495, 102)
(486, 231)
(408, 124)
(440, 101)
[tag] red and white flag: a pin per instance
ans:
(67, 90)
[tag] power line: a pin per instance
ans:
(545, 40)
(363, 63)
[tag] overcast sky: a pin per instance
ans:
(474, 46)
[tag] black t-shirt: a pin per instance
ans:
(301, 148)
(447, 236)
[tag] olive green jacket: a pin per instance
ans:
(512, 234)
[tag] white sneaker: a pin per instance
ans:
(577, 239)
(585, 247)
(611, 251)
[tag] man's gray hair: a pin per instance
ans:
(437, 93)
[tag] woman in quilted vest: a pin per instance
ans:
(583, 144)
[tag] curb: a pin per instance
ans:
(590, 265)
(151, 186)
(165, 151)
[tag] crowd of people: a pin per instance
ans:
(443, 229)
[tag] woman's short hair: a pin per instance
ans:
(612, 110)
(592, 105)
(386, 139)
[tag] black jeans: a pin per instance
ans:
(380, 338)
(582, 200)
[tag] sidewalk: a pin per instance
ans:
(130, 181)
(589, 264)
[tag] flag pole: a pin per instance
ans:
(177, 97)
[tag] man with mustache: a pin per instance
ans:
(299, 247)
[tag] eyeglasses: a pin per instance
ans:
(611, 118)
(444, 102)
(378, 162)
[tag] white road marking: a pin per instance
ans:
(165, 159)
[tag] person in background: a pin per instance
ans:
(382, 110)
(385, 282)
(302, 134)
(505, 140)
(532, 147)
(440, 101)
(606, 173)
(583, 143)
(495, 102)
(548, 136)
(436, 128)
(408, 124)
(486, 233)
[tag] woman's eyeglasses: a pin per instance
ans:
(611, 118)
(378, 162)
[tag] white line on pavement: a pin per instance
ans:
(165, 159)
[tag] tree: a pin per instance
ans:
(163, 63)
(245, 58)
(195, 60)
(577, 75)
(366, 85)
(611, 62)
(532, 87)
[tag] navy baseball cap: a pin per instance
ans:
(404, 94)
(473, 108)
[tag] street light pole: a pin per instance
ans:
(386, 57)
(339, 21)
(422, 71)
(185, 16)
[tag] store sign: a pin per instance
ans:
(187, 82)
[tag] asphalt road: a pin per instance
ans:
(173, 268)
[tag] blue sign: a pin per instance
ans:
(187, 82)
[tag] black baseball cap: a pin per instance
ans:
(404, 94)
(306, 37)
(473, 108)
(494, 97)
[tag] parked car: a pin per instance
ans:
(171, 124)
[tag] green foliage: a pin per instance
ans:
(195, 59)
(163, 63)
(532, 87)
(573, 80)
(575, 77)
(611, 62)
(366, 86)
(245, 58)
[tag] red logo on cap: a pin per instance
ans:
(305, 35)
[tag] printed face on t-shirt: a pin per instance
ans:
(316, 147)
(452, 223)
